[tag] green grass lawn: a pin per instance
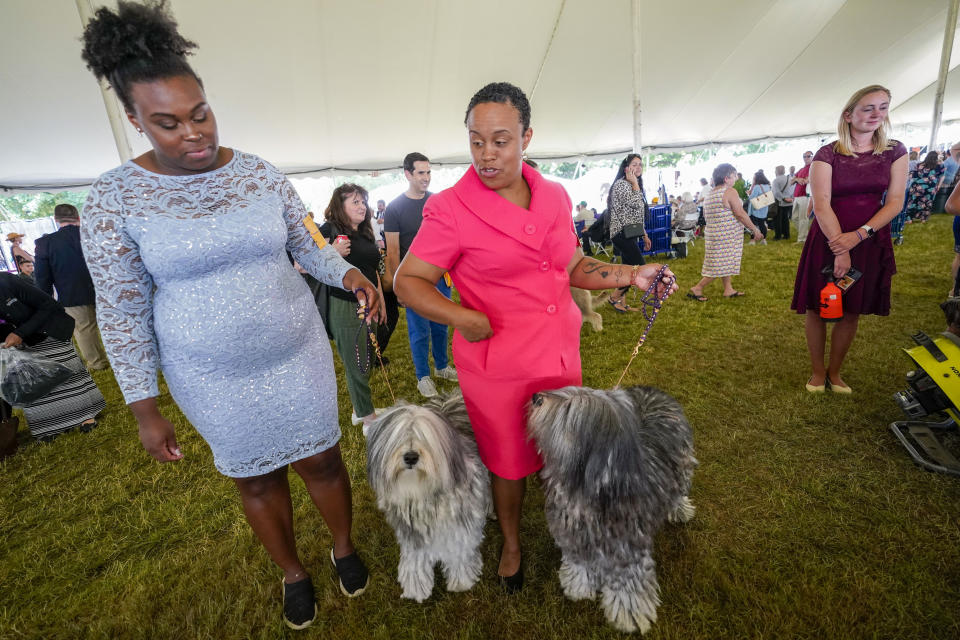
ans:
(812, 522)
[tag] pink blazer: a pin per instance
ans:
(511, 264)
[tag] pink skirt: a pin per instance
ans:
(498, 414)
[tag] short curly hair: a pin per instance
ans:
(137, 43)
(721, 172)
(503, 93)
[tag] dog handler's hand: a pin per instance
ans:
(364, 289)
(160, 440)
(156, 433)
(473, 325)
(645, 275)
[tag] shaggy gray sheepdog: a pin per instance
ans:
(616, 464)
(422, 463)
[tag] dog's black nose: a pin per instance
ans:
(537, 400)
(410, 458)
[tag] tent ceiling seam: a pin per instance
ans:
(430, 76)
(546, 53)
(897, 45)
(788, 68)
(723, 65)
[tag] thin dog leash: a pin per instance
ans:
(650, 302)
(363, 312)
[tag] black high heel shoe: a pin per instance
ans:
(512, 584)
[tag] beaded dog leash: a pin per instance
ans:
(650, 302)
(363, 312)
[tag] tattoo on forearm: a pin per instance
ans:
(606, 270)
(595, 266)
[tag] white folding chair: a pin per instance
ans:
(687, 237)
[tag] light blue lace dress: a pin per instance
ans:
(192, 275)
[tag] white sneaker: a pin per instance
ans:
(426, 387)
(354, 420)
(447, 373)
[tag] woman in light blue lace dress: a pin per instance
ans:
(187, 245)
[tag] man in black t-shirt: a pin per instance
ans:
(401, 222)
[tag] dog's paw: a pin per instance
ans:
(683, 511)
(575, 582)
(415, 575)
(629, 611)
(416, 592)
(463, 572)
(596, 321)
(456, 586)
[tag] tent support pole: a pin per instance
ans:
(110, 101)
(945, 54)
(637, 119)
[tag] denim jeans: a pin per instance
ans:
(424, 334)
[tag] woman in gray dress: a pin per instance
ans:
(187, 248)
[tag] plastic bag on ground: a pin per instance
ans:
(26, 377)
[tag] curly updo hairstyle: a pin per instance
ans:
(137, 43)
(503, 93)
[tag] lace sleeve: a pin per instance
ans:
(325, 264)
(124, 291)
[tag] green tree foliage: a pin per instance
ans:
(661, 160)
(566, 170)
(754, 147)
(28, 206)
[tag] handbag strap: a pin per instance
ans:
(314, 231)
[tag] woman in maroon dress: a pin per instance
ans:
(849, 178)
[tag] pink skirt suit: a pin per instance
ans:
(509, 263)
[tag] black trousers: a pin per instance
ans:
(781, 221)
(384, 331)
(629, 252)
(585, 243)
(761, 224)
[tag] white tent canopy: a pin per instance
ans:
(316, 84)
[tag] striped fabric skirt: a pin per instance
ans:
(69, 403)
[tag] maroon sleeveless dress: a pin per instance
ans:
(858, 186)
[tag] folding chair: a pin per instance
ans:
(685, 233)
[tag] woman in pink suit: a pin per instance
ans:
(506, 236)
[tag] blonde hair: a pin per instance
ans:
(881, 141)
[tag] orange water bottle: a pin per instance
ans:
(831, 303)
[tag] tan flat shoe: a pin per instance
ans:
(840, 388)
(815, 388)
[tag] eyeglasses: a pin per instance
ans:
(807, 155)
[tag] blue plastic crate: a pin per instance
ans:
(659, 216)
(658, 229)
(659, 241)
